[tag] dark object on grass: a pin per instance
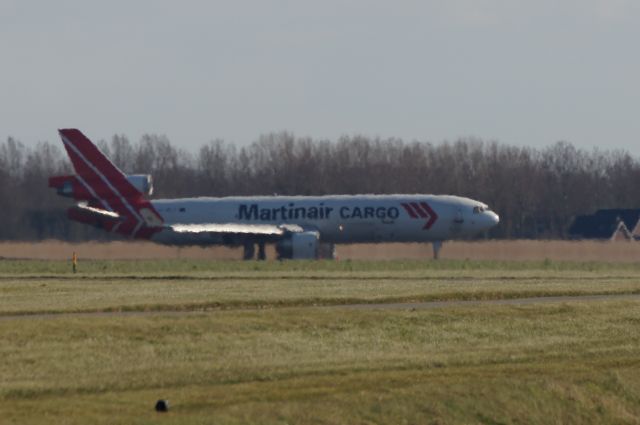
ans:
(162, 406)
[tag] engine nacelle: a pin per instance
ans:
(72, 187)
(142, 182)
(299, 246)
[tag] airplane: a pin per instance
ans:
(300, 227)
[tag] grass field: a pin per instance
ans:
(234, 342)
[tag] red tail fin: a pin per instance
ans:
(107, 185)
(96, 172)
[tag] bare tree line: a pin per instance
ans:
(536, 192)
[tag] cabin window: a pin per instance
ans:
(182, 209)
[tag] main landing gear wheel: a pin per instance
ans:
(326, 251)
(262, 254)
(249, 251)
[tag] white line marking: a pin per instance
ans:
(93, 193)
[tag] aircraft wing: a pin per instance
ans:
(237, 228)
(223, 233)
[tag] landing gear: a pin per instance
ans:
(262, 255)
(249, 250)
(437, 246)
(326, 251)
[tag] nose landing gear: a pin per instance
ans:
(437, 246)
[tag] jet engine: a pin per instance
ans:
(299, 246)
(142, 182)
(71, 187)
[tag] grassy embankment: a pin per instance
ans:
(570, 362)
(48, 287)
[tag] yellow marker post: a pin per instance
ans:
(74, 262)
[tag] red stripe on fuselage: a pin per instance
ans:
(409, 210)
(431, 213)
(419, 210)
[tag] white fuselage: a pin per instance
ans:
(341, 218)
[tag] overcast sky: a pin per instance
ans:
(521, 72)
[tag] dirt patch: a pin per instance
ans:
(57, 250)
(517, 250)
(520, 250)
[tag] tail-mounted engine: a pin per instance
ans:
(72, 187)
(142, 182)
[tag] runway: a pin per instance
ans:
(362, 306)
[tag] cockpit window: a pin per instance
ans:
(480, 209)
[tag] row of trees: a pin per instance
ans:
(535, 191)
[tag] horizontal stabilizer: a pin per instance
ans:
(94, 216)
(98, 211)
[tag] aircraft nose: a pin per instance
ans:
(494, 218)
(489, 220)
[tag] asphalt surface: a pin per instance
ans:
(364, 306)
